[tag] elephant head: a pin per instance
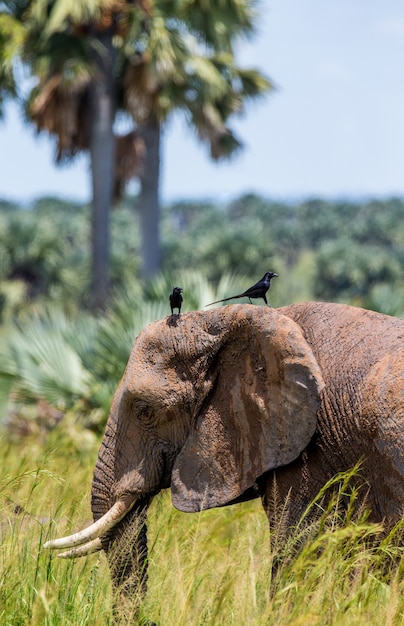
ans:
(207, 404)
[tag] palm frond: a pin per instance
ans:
(57, 106)
(11, 38)
(129, 153)
(42, 364)
(60, 13)
(253, 83)
(11, 42)
(219, 23)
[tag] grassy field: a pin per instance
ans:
(210, 569)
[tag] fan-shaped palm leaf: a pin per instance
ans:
(42, 364)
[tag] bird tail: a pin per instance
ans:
(225, 299)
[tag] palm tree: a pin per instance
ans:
(92, 59)
(185, 64)
(72, 51)
(208, 116)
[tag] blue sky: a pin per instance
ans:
(333, 127)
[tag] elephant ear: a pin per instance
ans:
(261, 412)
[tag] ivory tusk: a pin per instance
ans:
(88, 548)
(98, 528)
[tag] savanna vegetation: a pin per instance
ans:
(63, 345)
(60, 363)
(210, 568)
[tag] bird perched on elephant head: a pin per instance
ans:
(176, 299)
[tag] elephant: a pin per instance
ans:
(227, 404)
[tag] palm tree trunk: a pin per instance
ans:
(148, 201)
(102, 157)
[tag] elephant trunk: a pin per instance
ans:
(125, 544)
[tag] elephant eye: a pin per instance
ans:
(142, 409)
(141, 406)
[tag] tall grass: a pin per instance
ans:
(41, 491)
(213, 568)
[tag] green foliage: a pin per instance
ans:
(11, 39)
(46, 249)
(43, 364)
(50, 358)
(76, 362)
(386, 298)
(219, 244)
(204, 569)
(53, 350)
(337, 251)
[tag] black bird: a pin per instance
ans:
(256, 291)
(176, 300)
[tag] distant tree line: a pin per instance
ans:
(56, 354)
(324, 250)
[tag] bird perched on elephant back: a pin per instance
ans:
(237, 399)
(259, 290)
